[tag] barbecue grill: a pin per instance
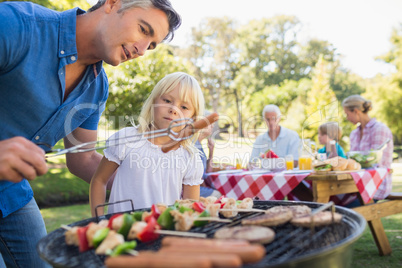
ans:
(329, 246)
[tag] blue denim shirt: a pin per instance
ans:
(36, 44)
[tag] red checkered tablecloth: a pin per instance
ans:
(265, 186)
(367, 182)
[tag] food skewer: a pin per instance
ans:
(212, 219)
(165, 232)
(242, 209)
(181, 233)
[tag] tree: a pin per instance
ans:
(214, 57)
(386, 92)
(322, 105)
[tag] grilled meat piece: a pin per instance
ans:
(273, 217)
(253, 234)
(322, 218)
(246, 203)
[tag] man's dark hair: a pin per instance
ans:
(173, 17)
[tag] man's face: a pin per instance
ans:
(271, 119)
(129, 34)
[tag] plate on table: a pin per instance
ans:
(228, 171)
(297, 171)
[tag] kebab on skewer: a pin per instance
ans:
(141, 225)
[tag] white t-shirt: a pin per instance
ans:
(146, 175)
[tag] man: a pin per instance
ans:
(53, 86)
(279, 139)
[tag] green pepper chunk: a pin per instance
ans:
(184, 209)
(128, 221)
(137, 215)
(165, 220)
(99, 236)
(205, 213)
(123, 248)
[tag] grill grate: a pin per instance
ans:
(291, 243)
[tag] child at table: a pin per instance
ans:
(328, 133)
(145, 173)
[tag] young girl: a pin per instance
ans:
(327, 133)
(145, 173)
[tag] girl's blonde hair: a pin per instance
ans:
(189, 91)
(331, 129)
(357, 102)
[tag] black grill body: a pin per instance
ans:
(329, 246)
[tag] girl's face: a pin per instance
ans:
(352, 116)
(169, 107)
(323, 138)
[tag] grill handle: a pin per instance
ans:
(113, 203)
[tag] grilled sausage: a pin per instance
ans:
(184, 241)
(248, 254)
(156, 260)
(217, 260)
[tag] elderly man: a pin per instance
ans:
(279, 139)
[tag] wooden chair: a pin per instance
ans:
(373, 213)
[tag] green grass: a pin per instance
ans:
(55, 217)
(59, 187)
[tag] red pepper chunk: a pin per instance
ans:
(198, 206)
(219, 200)
(155, 213)
(110, 223)
(148, 233)
(82, 238)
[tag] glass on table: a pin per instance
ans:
(289, 162)
(255, 163)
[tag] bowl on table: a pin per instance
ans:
(366, 159)
(273, 164)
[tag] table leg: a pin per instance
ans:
(376, 227)
(319, 195)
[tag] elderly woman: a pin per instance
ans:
(370, 134)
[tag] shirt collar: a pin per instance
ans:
(371, 123)
(281, 133)
(67, 33)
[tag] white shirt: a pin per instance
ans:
(286, 143)
(146, 175)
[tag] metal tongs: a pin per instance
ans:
(190, 127)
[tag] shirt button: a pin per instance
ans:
(72, 58)
(37, 138)
(62, 52)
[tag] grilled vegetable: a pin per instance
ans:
(205, 213)
(128, 220)
(123, 248)
(99, 236)
(148, 233)
(82, 238)
(165, 220)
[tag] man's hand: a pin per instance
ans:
(21, 158)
